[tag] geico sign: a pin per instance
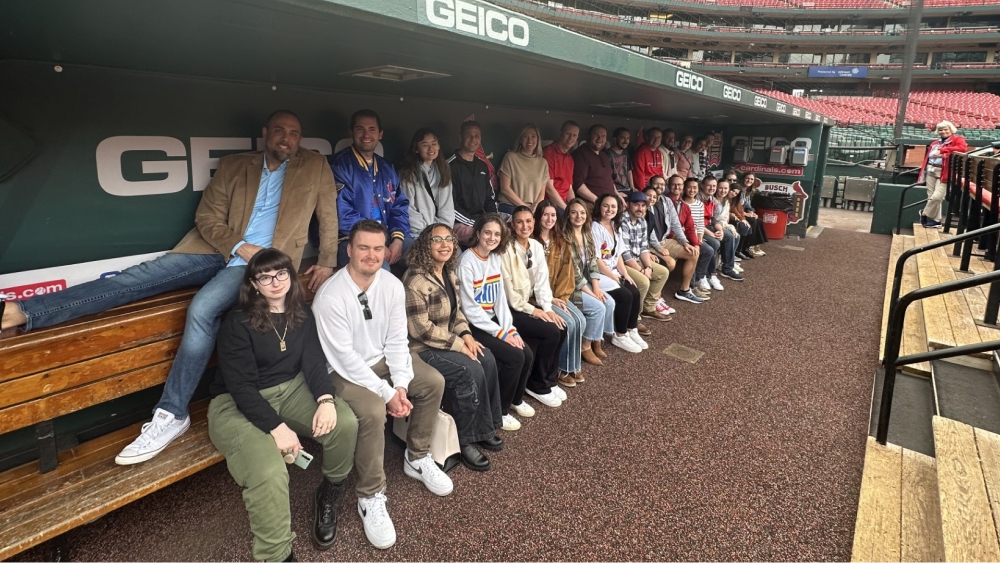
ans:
(730, 93)
(690, 81)
(479, 20)
(758, 143)
(780, 107)
(113, 150)
(760, 101)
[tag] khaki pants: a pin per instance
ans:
(649, 288)
(936, 190)
(424, 392)
(257, 465)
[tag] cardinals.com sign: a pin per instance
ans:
(798, 195)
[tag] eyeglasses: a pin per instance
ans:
(527, 254)
(439, 240)
(363, 299)
(267, 279)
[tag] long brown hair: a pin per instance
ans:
(555, 235)
(567, 228)
(254, 304)
(410, 168)
(504, 231)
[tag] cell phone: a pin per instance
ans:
(303, 459)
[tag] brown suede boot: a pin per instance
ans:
(598, 347)
(591, 358)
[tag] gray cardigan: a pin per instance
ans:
(425, 210)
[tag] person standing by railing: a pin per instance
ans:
(935, 171)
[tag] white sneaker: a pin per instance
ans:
(523, 410)
(510, 423)
(737, 268)
(155, 436)
(378, 526)
(703, 284)
(549, 399)
(634, 335)
(625, 343)
(560, 393)
(428, 472)
(757, 251)
(715, 283)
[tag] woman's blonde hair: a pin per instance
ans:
(951, 126)
(538, 134)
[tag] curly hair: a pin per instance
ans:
(504, 231)
(420, 255)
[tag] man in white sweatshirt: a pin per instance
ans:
(361, 319)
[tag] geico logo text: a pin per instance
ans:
(113, 150)
(690, 81)
(730, 93)
(480, 20)
(760, 101)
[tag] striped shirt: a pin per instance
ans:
(698, 215)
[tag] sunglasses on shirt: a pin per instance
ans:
(363, 299)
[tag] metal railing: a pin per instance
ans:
(897, 316)
(902, 200)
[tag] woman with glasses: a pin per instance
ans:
(574, 228)
(270, 387)
(485, 306)
(613, 276)
(525, 277)
(441, 336)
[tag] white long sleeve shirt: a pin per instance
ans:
(352, 344)
(484, 301)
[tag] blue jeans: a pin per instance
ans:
(569, 354)
(728, 249)
(600, 316)
(706, 261)
(166, 273)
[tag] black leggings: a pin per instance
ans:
(548, 340)
(513, 367)
(756, 236)
(627, 305)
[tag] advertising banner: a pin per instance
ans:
(777, 170)
(795, 190)
(838, 72)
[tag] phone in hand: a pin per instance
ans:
(303, 459)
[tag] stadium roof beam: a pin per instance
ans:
(320, 43)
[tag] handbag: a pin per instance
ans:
(445, 449)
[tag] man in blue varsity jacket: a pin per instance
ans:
(368, 188)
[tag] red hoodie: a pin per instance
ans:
(646, 163)
(954, 143)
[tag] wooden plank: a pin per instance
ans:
(81, 373)
(936, 321)
(32, 353)
(26, 477)
(920, 520)
(963, 326)
(895, 250)
(989, 455)
(877, 528)
(966, 517)
(33, 412)
(85, 501)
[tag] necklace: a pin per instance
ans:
(281, 337)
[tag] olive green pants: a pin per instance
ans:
(257, 465)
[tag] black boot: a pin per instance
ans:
(474, 459)
(291, 557)
(327, 502)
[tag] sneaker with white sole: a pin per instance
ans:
(560, 393)
(625, 343)
(155, 436)
(523, 410)
(715, 283)
(704, 285)
(509, 423)
(757, 251)
(378, 526)
(703, 294)
(733, 275)
(428, 472)
(549, 399)
(737, 268)
(637, 338)
(737, 259)
(688, 296)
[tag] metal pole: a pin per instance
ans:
(909, 56)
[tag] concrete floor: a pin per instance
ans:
(846, 219)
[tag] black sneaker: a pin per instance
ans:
(731, 274)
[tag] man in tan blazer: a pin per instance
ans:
(254, 201)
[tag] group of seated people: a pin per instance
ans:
(495, 299)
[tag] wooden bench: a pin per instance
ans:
(53, 372)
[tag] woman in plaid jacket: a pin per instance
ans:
(440, 335)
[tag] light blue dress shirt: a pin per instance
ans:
(260, 230)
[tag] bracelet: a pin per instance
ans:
(327, 400)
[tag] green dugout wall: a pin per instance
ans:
(111, 110)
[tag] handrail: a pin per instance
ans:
(897, 315)
(902, 200)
